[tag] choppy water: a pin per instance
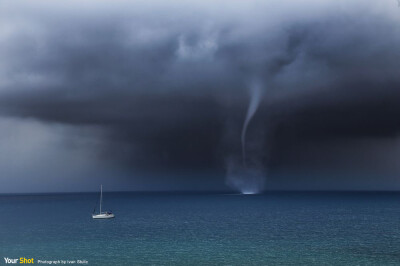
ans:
(205, 229)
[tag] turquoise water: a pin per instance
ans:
(205, 229)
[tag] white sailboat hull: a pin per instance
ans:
(103, 216)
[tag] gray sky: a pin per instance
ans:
(151, 95)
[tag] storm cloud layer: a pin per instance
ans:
(152, 94)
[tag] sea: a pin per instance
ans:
(276, 228)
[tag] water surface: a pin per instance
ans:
(205, 229)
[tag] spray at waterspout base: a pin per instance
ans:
(246, 180)
(248, 193)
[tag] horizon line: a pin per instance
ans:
(202, 192)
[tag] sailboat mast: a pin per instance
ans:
(101, 196)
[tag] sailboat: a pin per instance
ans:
(102, 215)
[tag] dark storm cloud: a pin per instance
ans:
(162, 80)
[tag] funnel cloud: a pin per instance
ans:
(255, 97)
